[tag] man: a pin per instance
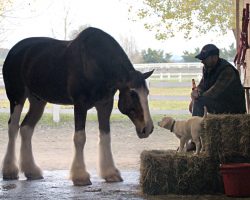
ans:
(220, 88)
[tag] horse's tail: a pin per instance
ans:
(12, 77)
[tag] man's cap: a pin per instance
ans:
(207, 50)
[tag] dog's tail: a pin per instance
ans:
(205, 112)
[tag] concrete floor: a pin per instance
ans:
(56, 185)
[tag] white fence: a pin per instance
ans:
(163, 71)
(175, 76)
(189, 65)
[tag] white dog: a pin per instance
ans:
(185, 130)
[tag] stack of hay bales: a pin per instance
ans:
(226, 139)
(164, 172)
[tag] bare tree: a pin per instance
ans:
(129, 46)
(75, 32)
(5, 7)
(66, 22)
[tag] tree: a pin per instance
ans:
(167, 17)
(3, 5)
(66, 21)
(4, 10)
(190, 56)
(228, 54)
(74, 33)
(225, 53)
(129, 46)
(155, 56)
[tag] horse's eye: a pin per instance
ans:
(132, 93)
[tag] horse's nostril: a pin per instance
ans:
(144, 130)
(152, 129)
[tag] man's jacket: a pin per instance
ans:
(222, 83)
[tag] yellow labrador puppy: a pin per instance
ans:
(185, 130)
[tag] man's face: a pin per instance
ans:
(210, 61)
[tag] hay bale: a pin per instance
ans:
(164, 172)
(227, 137)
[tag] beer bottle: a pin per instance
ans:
(190, 107)
(193, 84)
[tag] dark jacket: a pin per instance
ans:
(223, 84)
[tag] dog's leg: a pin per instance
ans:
(202, 145)
(197, 142)
(182, 143)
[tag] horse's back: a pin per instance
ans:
(21, 60)
(86, 66)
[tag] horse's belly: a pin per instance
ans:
(52, 96)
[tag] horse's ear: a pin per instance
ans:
(148, 74)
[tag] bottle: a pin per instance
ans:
(190, 107)
(193, 84)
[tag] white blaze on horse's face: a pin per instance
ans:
(144, 129)
(133, 102)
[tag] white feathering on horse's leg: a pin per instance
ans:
(78, 173)
(10, 169)
(27, 162)
(107, 169)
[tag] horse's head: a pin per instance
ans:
(133, 102)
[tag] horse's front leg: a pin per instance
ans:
(107, 169)
(79, 175)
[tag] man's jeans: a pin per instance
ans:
(212, 106)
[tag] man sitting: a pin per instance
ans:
(220, 88)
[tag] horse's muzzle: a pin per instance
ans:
(145, 132)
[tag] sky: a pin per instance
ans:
(44, 18)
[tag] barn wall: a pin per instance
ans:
(247, 78)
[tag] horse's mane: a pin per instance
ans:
(95, 32)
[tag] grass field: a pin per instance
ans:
(153, 104)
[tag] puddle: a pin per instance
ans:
(7, 187)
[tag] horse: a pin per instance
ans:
(85, 72)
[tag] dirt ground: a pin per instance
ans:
(53, 150)
(53, 147)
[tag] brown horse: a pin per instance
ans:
(85, 72)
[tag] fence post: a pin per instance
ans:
(161, 76)
(199, 77)
(56, 113)
(180, 78)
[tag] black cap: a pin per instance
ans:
(207, 50)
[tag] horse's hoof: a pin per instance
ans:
(114, 178)
(7, 177)
(34, 174)
(10, 174)
(80, 182)
(31, 177)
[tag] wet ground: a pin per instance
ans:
(52, 148)
(56, 185)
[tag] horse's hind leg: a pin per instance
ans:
(10, 169)
(27, 162)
